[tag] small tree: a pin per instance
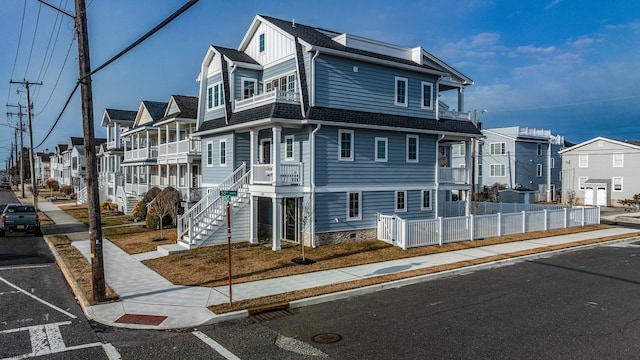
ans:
(571, 197)
(305, 215)
(166, 204)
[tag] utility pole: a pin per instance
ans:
(34, 185)
(20, 158)
(95, 230)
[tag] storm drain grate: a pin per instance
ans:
(272, 315)
(326, 338)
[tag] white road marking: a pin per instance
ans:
(47, 339)
(40, 300)
(215, 346)
(23, 267)
(10, 292)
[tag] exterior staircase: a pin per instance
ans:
(125, 202)
(205, 223)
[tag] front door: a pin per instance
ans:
(265, 152)
(601, 196)
(195, 176)
(290, 219)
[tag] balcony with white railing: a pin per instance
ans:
(182, 147)
(150, 152)
(112, 144)
(288, 174)
(266, 98)
(454, 115)
(447, 175)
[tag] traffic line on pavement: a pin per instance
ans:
(38, 299)
(23, 267)
(215, 346)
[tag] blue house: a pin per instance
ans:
(319, 131)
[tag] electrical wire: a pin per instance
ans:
(15, 60)
(59, 116)
(44, 70)
(59, 75)
(33, 42)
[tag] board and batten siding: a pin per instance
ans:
(370, 87)
(364, 170)
(214, 174)
(277, 45)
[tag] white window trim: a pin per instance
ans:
(213, 96)
(430, 85)
(223, 143)
(359, 217)
(501, 173)
(539, 150)
(406, 91)
(293, 148)
(209, 88)
(386, 149)
(269, 80)
(503, 147)
(613, 184)
(586, 160)
(539, 170)
(261, 158)
(209, 158)
(582, 182)
(430, 200)
(255, 86)
(264, 42)
(351, 157)
(417, 159)
(396, 201)
(621, 159)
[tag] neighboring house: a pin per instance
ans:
(318, 132)
(601, 171)
(140, 165)
(523, 159)
(77, 168)
(42, 166)
(111, 153)
(178, 154)
(57, 163)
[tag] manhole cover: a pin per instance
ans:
(326, 338)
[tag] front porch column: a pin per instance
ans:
(276, 223)
(461, 99)
(187, 182)
(277, 137)
(148, 146)
(253, 156)
(253, 219)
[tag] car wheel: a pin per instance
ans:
(1, 233)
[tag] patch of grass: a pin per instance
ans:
(208, 266)
(142, 241)
(81, 213)
(78, 266)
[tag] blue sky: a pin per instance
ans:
(567, 66)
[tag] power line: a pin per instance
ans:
(33, 42)
(42, 74)
(15, 60)
(55, 85)
(60, 115)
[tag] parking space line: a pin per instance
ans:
(23, 267)
(38, 299)
(215, 346)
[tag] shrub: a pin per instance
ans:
(151, 194)
(67, 190)
(152, 217)
(108, 206)
(52, 184)
(140, 210)
(166, 204)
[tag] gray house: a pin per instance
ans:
(317, 132)
(520, 158)
(601, 171)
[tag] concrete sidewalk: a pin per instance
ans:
(149, 301)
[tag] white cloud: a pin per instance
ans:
(534, 50)
(552, 4)
(582, 43)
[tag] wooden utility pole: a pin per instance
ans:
(34, 185)
(93, 195)
(20, 159)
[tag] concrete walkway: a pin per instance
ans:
(143, 292)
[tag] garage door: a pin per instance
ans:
(601, 199)
(588, 196)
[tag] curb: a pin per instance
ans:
(71, 280)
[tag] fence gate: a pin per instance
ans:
(387, 228)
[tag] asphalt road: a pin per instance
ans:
(39, 315)
(579, 305)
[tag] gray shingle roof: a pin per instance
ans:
(631, 142)
(188, 107)
(277, 110)
(156, 109)
(127, 115)
(235, 55)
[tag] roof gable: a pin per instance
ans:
(124, 118)
(632, 144)
(150, 112)
(273, 34)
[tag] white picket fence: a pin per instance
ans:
(414, 233)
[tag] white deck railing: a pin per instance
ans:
(188, 146)
(454, 115)
(414, 233)
(449, 175)
(268, 97)
(141, 153)
(288, 174)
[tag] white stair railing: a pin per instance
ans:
(208, 199)
(199, 224)
(82, 196)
